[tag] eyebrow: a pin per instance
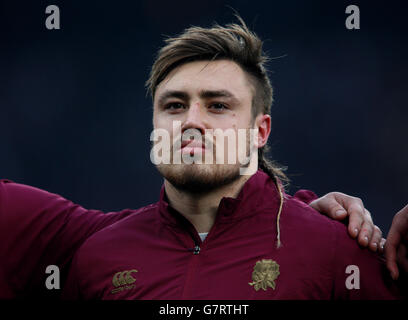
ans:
(204, 94)
(172, 94)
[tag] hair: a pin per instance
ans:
(233, 42)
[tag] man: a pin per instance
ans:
(216, 233)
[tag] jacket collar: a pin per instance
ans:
(258, 193)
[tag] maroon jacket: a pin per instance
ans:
(156, 253)
(39, 228)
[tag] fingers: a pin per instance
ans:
(400, 222)
(390, 250)
(402, 257)
(367, 229)
(376, 238)
(382, 245)
(397, 259)
(398, 229)
(329, 206)
(358, 219)
(391, 261)
(337, 205)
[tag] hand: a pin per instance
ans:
(339, 206)
(396, 250)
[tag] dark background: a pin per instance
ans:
(76, 120)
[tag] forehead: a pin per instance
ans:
(208, 75)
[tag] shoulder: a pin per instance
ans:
(137, 222)
(11, 191)
(302, 216)
(20, 202)
(112, 245)
(308, 235)
(324, 230)
(137, 217)
(328, 242)
(359, 273)
(31, 222)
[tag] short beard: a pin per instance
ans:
(199, 178)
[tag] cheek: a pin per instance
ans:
(242, 119)
(232, 121)
(241, 122)
(159, 121)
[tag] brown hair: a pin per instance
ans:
(233, 42)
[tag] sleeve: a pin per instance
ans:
(38, 229)
(359, 274)
(305, 196)
(71, 290)
(80, 285)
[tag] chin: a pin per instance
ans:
(199, 178)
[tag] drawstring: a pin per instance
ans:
(279, 213)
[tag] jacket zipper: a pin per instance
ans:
(196, 249)
(192, 266)
(191, 270)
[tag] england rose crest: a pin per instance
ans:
(264, 275)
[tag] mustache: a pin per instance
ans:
(205, 144)
(196, 138)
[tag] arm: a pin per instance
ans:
(37, 229)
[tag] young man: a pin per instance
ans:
(217, 233)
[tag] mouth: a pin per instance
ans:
(191, 146)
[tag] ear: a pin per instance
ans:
(263, 123)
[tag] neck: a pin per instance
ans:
(201, 208)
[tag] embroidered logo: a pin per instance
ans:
(264, 275)
(123, 280)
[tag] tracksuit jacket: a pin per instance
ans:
(156, 253)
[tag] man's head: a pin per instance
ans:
(212, 78)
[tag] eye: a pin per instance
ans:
(218, 107)
(174, 106)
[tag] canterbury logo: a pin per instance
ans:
(123, 280)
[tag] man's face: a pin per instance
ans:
(203, 95)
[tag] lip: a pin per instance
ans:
(192, 144)
(192, 147)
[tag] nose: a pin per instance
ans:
(194, 118)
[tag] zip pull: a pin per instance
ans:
(196, 249)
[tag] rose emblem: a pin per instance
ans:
(264, 275)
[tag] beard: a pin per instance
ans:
(203, 177)
(199, 178)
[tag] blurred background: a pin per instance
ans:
(76, 120)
